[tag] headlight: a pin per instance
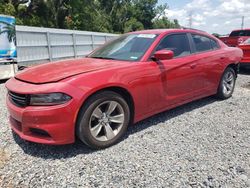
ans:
(49, 99)
(247, 42)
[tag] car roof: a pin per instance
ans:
(160, 31)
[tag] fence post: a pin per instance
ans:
(74, 44)
(106, 38)
(49, 46)
(92, 40)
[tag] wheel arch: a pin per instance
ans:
(235, 67)
(127, 96)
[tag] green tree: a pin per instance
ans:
(46, 13)
(161, 21)
(116, 16)
(86, 15)
(164, 23)
(133, 25)
(7, 9)
(145, 12)
(216, 35)
(115, 13)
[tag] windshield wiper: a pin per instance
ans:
(99, 57)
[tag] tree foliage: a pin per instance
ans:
(116, 16)
(216, 35)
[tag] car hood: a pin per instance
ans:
(56, 71)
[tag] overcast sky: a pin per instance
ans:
(213, 16)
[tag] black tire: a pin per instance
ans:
(221, 92)
(83, 127)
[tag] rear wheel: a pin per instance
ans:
(103, 120)
(227, 84)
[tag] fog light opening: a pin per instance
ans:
(39, 132)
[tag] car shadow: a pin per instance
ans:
(72, 150)
(169, 114)
(3, 81)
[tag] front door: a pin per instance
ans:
(181, 77)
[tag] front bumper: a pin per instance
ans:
(50, 125)
(42, 124)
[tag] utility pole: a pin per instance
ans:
(190, 19)
(242, 22)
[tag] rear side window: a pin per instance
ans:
(214, 44)
(178, 43)
(203, 43)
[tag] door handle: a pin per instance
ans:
(222, 58)
(193, 66)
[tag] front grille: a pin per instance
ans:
(20, 100)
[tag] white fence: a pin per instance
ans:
(37, 45)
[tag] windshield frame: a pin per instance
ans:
(117, 38)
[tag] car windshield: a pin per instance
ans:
(128, 47)
(240, 33)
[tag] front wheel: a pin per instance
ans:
(227, 84)
(103, 120)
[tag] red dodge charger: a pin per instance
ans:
(128, 79)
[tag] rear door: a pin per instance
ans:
(209, 56)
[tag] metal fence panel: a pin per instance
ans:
(38, 45)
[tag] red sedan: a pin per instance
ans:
(129, 79)
(245, 46)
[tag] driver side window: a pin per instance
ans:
(178, 43)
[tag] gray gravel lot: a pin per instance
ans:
(201, 144)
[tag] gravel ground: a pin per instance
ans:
(202, 144)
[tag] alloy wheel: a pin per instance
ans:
(228, 83)
(106, 120)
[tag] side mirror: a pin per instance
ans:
(164, 55)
